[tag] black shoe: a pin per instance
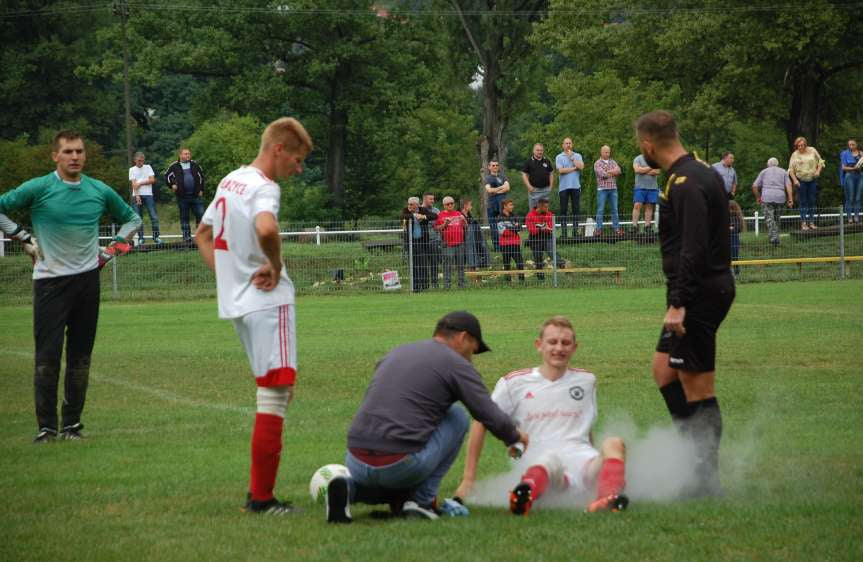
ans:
(72, 432)
(520, 499)
(271, 506)
(45, 435)
(338, 501)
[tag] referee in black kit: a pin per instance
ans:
(696, 259)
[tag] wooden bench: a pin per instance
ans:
(798, 261)
(511, 272)
(382, 245)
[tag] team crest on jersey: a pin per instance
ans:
(576, 392)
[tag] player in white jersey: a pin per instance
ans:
(239, 238)
(556, 405)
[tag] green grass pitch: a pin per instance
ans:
(163, 472)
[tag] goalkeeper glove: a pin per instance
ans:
(31, 248)
(117, 247)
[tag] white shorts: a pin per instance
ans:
(270, 339)
(568, 468)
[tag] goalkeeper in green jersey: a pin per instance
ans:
(65, 208)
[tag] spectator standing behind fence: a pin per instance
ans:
(65, 209)
(496, 188)
(186, 179)
(451, 224)
(141, 180)
(737, 224)
(851, 179)
(645, 193)
(772, 190)
(508, 226)
(476, 253)
(606, 170)
(728, 173)
(415, 242)
(804, 167)
(538, 176)
(540, 230)
(433, 246)
(569, 165)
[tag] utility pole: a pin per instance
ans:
(121, 9)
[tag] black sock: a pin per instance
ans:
(705, 428)
(675, 401)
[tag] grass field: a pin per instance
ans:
(163, 472)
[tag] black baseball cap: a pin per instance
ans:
(463, 321)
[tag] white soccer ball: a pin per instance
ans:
(321, 479)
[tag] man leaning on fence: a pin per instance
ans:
(451, 224)
(772, 189)
(414, 226)
(65, 209)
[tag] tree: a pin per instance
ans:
(497, 33)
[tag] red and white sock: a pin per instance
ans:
(611, 479)
(266, 453)
(537, 478)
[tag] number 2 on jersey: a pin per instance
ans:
(220, 243)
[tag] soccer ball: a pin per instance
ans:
(321, 478)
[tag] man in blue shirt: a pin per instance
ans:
(569, 165)
(851, 179)
(496, 188)
(645, 194)
(729, 175)
(186, 180)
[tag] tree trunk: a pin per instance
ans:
(491, 143)
(807, 100)
(337, 141)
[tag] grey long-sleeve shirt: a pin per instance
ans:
(411, 391)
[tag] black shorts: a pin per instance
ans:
(695, 351)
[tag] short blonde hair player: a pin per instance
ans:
(255, 292)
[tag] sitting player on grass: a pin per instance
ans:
(556, 405)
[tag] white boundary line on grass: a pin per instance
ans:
(161, 394)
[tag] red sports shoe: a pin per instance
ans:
(613, 502)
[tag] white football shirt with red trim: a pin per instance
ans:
(241, 195)
(553, 413)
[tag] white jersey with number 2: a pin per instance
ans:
(556, 414)
(241, 195)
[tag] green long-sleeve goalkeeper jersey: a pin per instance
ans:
(65, 218)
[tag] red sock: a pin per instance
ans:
(266, 452)
(611, 478)
(537, 478)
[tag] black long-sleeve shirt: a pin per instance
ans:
(693, 229)
(410, 393)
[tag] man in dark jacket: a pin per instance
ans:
(408, 430)
(186, 180)
(415, 228)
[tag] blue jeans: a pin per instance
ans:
(422, 471)
(197, 207)
(150, 202)
(491, 213)
(807, 193)
(601, 196)
(853, 186)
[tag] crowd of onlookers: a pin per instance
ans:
(451, 239)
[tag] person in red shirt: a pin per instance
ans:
(451, 224)
(540, 228)
(508, 237)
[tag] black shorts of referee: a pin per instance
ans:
(695, 351)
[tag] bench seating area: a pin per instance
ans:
(548, 271)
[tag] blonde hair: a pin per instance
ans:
(797, 141)
(288, 132)
(560, 322)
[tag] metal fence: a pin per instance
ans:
(382, 256)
